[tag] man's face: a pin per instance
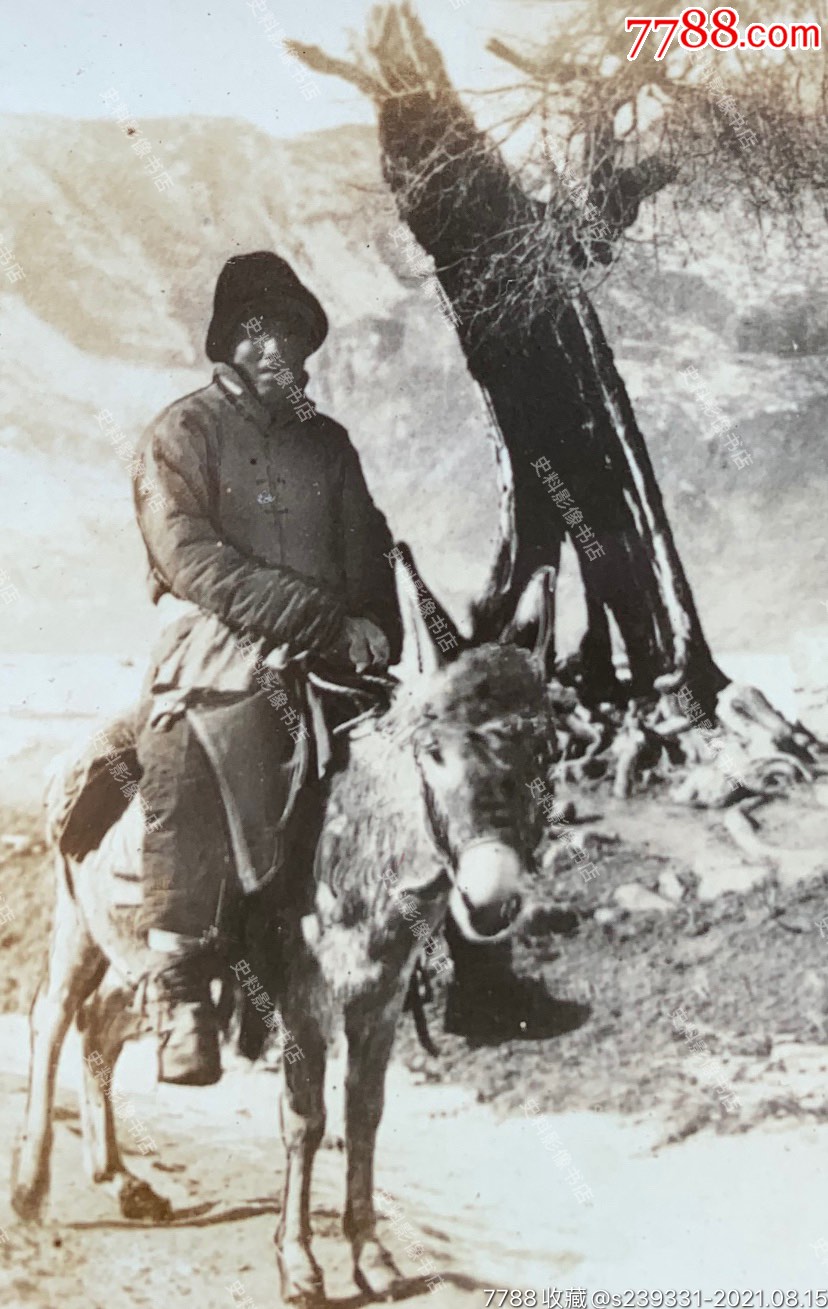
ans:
(264, 347)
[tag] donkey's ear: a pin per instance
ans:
(533, 624)
(430, 638)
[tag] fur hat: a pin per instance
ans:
(259, 283)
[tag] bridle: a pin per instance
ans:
(377, 690)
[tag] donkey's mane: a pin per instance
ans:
(488, 683)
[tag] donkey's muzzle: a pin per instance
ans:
(486, 898)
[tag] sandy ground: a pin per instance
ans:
(683, 1193)
(493, 1210)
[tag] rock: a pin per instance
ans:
(637, 899)
(705, 787)
(604, 915)
(698, 949)
(556, 857)
(558, 854)
(800, 865)
(670, 887)
(18, 844)
(568, 811)
(752, 1045)
(718, 873)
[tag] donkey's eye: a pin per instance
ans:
(434, 752)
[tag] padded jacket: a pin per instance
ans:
(267, 526)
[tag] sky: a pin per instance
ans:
(181, 57)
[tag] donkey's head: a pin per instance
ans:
(481, 727)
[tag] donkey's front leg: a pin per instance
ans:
(370, 1030)
(302, 1120)
(107, 1021)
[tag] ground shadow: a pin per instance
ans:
(405, 1289)
(557, 1019)
(194, 1216)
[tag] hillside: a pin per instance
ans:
(112, 314)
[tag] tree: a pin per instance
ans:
(514, 249)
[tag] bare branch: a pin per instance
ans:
(315, 58)
(540, 69)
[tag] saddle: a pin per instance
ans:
(85, 794)
(90, 789)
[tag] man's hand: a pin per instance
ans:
(364, 645)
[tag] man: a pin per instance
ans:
(260, 533)
(255, 514)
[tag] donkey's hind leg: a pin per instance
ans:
(107, 1022)
(75, 965)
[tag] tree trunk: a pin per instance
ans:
(555, 396)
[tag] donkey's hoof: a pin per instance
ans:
(300, 1275)
(27, 1202)
(375, 1271)
(136, 1199)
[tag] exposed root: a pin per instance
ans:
(750, 750)
(627, 749)
(768, 766)
(788, 866)
(743, 832)
(704, 787)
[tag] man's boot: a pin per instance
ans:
(185, 862)
(188, 1034)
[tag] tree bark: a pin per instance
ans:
(554, 393)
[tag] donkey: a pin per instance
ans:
(434, 809)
